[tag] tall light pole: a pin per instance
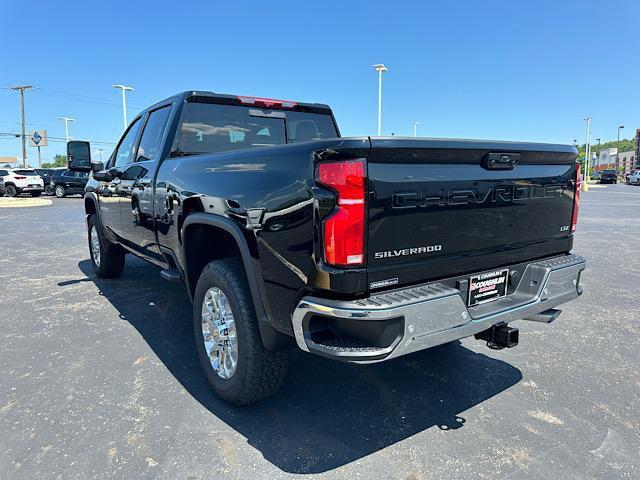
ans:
(124, 89)
(66, 125)
(587, 147)
(380, 68)
(21, 89)
(415, 128)
(620, 127)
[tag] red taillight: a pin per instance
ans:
(576, 199)
(268, 102)
(344, 228)
(17, 177)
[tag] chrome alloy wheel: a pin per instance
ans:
(219, 333)
(95, 246)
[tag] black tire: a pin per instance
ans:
(48, 190)
(60, 191)
(35, 194)
(111, 256)
(259, 373)
(11, 191)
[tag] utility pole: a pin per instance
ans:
(415, 128)
(620, 127)
(124, 89)
(587, 147)
(380, 68)
(21, 89)
(66, 125)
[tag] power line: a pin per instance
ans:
(55, 139)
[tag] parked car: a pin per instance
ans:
(45, 174)
(66, 182)
(609, 176)
(356, 249)
(596, 175)
(634, 178)
(21, 180)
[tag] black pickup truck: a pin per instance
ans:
(357, 249)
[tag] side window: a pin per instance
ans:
(124, 154)
(3, 173)
(150, 143)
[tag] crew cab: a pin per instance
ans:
(357, 249)
(21, 180)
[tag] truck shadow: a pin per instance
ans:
(327, 414)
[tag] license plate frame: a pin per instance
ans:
(487, 287)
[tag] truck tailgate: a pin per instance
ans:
(441, 208)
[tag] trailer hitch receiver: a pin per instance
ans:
(499, 336)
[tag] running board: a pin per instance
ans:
(170, 274)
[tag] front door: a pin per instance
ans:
(137, 186)
(109, 192)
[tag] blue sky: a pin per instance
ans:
(493, 69)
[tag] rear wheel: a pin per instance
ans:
(107, 258)
(48, 190)
(11, 191)
(60, 191)
(236, 364)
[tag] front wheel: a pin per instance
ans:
(236, 364)
(107, 258)
(60, 191)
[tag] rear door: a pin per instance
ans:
(443, 208)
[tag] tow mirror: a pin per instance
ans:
(79, 156)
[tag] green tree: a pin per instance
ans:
(622, 146)
(58, 161)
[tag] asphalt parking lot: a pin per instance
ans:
(98, 378)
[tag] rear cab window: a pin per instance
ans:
(211, 127)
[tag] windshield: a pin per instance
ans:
(210, 128)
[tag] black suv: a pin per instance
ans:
(66, 182)
(609, 176)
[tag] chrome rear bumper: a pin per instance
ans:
(434, 313)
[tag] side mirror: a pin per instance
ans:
(102, 176)
(79, 156)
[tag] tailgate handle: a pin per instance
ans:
(500, 161)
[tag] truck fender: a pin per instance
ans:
(271, 338)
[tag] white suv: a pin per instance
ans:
(21, 180)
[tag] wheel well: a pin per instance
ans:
(203, 244)
(89, 206)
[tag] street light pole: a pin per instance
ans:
(587, 147)
(620, 127)
(21, 89)
(66, 125)
(380, 68)
(124, 89)
(415, 128)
